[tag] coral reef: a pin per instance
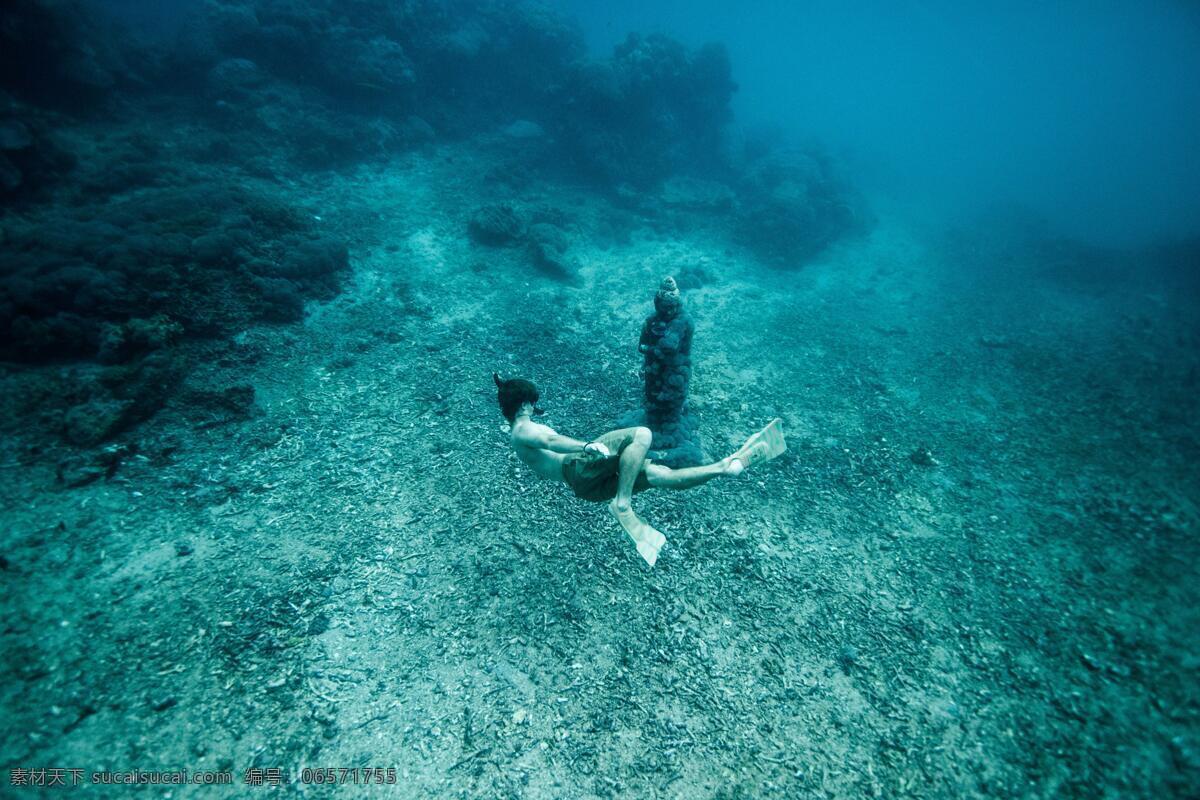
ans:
(79, 58)
(29, 156)
(653, 109)
(115, 279)
(666, 347)
(545, 243)
(794, 205)
(456, 66)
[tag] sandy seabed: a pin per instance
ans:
(973, 574)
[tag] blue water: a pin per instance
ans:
(1086, 112)
(316, 317)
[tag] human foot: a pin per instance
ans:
(762, 446)
(731, 466)
(648, 540)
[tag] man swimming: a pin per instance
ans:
(613, 467)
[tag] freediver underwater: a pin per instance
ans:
(613, 467)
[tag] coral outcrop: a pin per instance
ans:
(117, 279)
(794, 204)
(496, 225)
(654, 108)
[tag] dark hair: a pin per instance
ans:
(513, 393)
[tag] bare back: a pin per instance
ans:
(545, 463)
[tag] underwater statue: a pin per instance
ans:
(666, 348)
(614, 466)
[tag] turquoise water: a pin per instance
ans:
(266, 522)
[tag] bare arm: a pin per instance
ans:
(563, 444)
(544, 438)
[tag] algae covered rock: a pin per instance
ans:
(793, 205)
(496, 226)
(654, 109)
(90, 423)
(548, 245)
(117, 278)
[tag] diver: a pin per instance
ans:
(613, 467)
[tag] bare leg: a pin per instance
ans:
(632, 459)
(661, 477)
(648, 540)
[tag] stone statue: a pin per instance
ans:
(666, 346)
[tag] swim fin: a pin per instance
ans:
(648, 540)
(764, 445)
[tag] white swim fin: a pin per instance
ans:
(649, 541)
(764, 445)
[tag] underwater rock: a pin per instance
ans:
(792, 206)
(90, 404)
(922, 457)
(654, 109)
(666, 346)
(380, 65)
(548, 246)
(848, 658)
(496, 226)
(694, 276)
(414, 130)
(149, 382)
(163, 703)
(318, 625)
(84, 468)
(121, 342)
(74, 473)
(90, 423)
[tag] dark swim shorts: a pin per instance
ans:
(595, 479)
